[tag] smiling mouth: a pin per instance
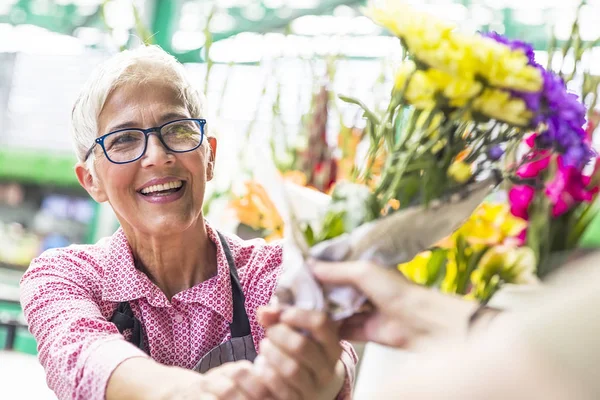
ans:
(163, 189)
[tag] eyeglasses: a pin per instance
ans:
(128, 145)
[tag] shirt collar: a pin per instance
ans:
(124, 282)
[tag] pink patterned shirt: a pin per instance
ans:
(69, 294)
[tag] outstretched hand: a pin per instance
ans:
(299, 358)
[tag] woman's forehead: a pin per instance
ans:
(134, 103)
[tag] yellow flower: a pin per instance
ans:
(436, 44)
(416, 269)
(256, 210)
(460, 171)
(491, 224)
(433, 127)
(449, 282)
(426, 85)
(421, 91)
(460, 91)
(405, 70)
(444, 53)
(405, 22)
(439, 145)
(500, 105)
(503, 67)
(457, 90)
(507, 264)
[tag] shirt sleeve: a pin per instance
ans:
(78, 348)
(349, 358)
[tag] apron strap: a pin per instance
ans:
(240, 326)
(124, 319)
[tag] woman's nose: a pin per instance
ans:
(156, 152)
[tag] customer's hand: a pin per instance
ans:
(400, 313)
(299, 358)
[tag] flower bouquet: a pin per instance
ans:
(460, 104)
(550, 200)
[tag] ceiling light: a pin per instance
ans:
(283, 12)
(222, 22)
(273, 3)
(6, 5)
(481, 15)
(119, 14)
(253, 12)
(302, 4)
(529, 17)
(344, 11)
(186, 40)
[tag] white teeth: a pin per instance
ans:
(162, 187)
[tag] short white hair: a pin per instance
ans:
(116, 71)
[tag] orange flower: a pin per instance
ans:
(463, 154)
(256, 210)
(297, 177)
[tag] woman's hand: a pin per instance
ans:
(143, 378)
(235, 380)
(400, 313)
(298, 365)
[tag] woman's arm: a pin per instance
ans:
(77, 346)
(145, 379)
(136, 378)
(85, 356)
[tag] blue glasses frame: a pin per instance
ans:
(147, 132)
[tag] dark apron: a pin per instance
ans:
(239, 347)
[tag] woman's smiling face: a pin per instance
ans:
(163, 191)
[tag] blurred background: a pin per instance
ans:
(261, 63)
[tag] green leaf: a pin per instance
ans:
(309, 235)
(588, 222)
(436, 267)
(368, 113)
(408, 190)
(333, 226)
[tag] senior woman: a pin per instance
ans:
(130, 316)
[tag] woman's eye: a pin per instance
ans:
(124, 139)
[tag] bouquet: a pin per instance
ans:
(459, 106)
(549, 205)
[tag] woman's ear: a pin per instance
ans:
(92, 185)
(212, 153)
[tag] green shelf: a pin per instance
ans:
(24, 341)
(41, 167)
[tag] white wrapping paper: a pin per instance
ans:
(387, 241)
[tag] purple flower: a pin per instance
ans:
(495, 153)
(561, 112)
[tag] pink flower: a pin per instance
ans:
(568, 187)
(532, 169)
(540, 160)
(520, 197)
(530, 140)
